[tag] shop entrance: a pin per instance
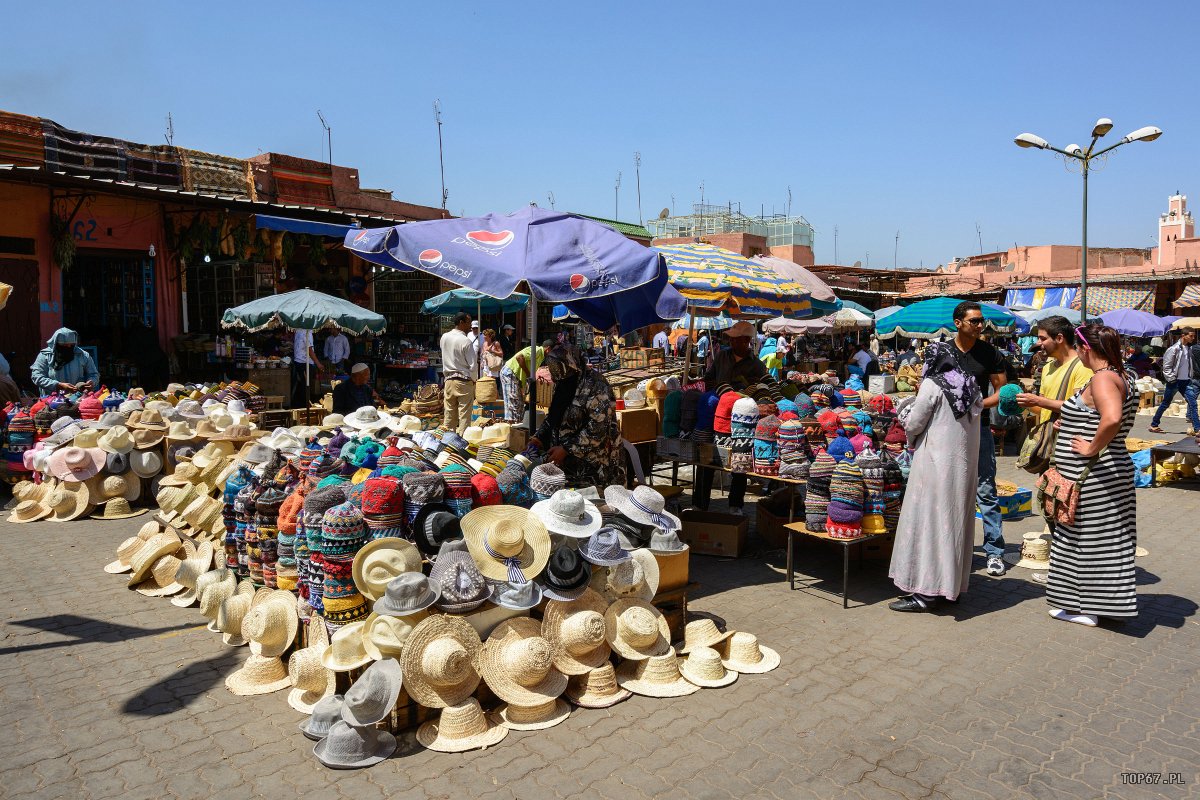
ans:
(20, 338)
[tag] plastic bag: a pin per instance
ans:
(1141, 465)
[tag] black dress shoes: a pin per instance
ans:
(909, 603)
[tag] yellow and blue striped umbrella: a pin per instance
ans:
(711, 277)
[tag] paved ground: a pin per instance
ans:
(105, 693)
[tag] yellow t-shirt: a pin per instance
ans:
(1052, 378)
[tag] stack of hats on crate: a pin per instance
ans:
(794, 457)
(816, 499)
(766, 446)
(743, 423)
(846, 496)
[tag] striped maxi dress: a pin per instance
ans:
(1091, 562)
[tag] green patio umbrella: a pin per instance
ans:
(929, 319)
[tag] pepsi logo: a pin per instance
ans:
(580, 283)
(493, 239)
(430, 258)
(361, 235)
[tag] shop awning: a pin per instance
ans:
(1138, 296)
(266, 222)
(1190, 297)
(1041, 297)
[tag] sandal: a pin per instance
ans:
(1155, 429)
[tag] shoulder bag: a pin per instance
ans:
(1038, 448)
(1057, 497)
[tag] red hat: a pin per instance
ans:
(485, 491)
(830, 422)
(382, 496)
(721, 418)
(895, 435)
(289, 510)
(881, 404)
(90, 407)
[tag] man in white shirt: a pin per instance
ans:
(337, 350)
(305, 366)
(663, 342)
(460, 370)
(865, 361)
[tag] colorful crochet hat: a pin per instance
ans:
(744, 418)
(881, 404)
(485, 491)
(766, 446)
(874, 502)
(840, 447)
(382, 502)
(816, 498)
(458, 488)
(421, 488)
(846, 494)
(723, 416)
(545, 480)
(689, 409)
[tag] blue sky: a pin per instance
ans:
(879, 116)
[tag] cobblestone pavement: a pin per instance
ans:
(105, 693)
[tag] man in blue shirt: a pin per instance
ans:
(64, 365)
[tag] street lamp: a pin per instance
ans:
(1085, 158)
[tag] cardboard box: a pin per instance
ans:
(879, 549)
(881, 384)
(638, 424)
(770, 524)
(672, 570)
(713, 534)
(1015, 506)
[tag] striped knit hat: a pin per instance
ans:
(458, 488)
(895, 440)
(689, 409)
(816, 498)
(787, 410)
(671, 412)
(851, 398)
(343, 531)
(267, 518)
(893, 491)
(741, 455)
(391, 456)
(766, 446)
(846, 497)
(545, 480)
(744, 418)
(310, 451)
(383, 507)
(514, 487)
(874, 502)
(848, 423)
(312, 576)
(421, 488)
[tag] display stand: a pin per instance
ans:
(802, 529)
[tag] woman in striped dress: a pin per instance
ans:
(1091, 561)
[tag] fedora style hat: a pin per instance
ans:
(637, 578)
(508, 543)
(657, 676)
(109, 419)
(603, 548)
(518, 664)
(642, 505)
(271, 624)
(438, 661)
(29, 511)
(117, 508)
(325, 713)
(703, 667)
(566, 575)
(373, 696)
(636, 630)
(665, 542)
(596, 688)
(75, 463)
(516, 596)
(259, 675)
(701, 632)
(434, 524)
(384, 636)
(345, 651)
(116, 463)
(206, 429)
(144, 438)
(87, 438)
(461, 727)
(742, 653)
(407, 594)
(116, 440)
(380, 561)
(568, 513)
(576, 631)
(148, 419)
(367, 418)
(460, 584)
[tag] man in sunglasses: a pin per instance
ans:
(984, 362)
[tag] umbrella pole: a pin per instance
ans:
(532, 363)
(687, 375)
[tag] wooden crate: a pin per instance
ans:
(308, 416)
(271, 419)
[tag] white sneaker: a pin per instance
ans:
(995, 566)
(1090, 620)
(736, 511)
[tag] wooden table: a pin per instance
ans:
(800, 528)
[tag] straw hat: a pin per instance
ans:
(325, 713)
(127, 485)
(180, 431)
(149, 419)
(701, 632)
(312, 682)
(29, 511)
(381, 560)
(118, 508)
(438, 661)
(568, 513)
(156, 547)
(636, 629)
(214, 595)
(703, 667)
(129, 548)
(259, 675)
(384, 635)
(596, 688)
(189, 573)
(271, 624)
(144, 439)
(513, 535)
(1035, 551)
(518, 664)
(69, 501)
(345, 651)
(742, 653)
(186, 473)
(636, 578)
(116, 440)
(232, 614)
(461, 727)
(576, 631)
(657, 676)
(373, 696)
(534, 718)
(161, 581)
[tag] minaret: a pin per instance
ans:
(1176, 224)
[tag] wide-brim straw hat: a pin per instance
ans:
(534, 718)
(233, 612)
(156, 547)
(743, 653)
(129, 548)
(701, 632)
(214, 595)
(461, 727)
(189, 572)
(29, 511)
(161, 581)
(259, 675)
(703, 667)
(439, 661)
(345, 650)
(271, 624)
(105, 487)
(69, 501)
(620, 580)
(596, 688)
(489, 524)
(312, 680)
(576, 631)
(518, 664)
(381, 560)
(117, 508)
(636, 630)
(384, 636)
(657, 676)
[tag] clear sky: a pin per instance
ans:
(880, 116)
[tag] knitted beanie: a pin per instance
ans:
(904, 459)
(896, 440)
(881, 404)
(804, 406)
(420, 489)
(671, 412)
(707, 410)
(786, 409)
(854, 382)
(723, 416)
(485, 491)
(744, 418)
(766, 446)
(741, 455)
(816, 498)
(343, 531)
(1008, 400)
(848, 423)
(830, 423)
(334, 446)
(545, 480)
(861, 442)
(312, 577)
(893, 491)
(846, 495)
(865, 424)
(458, 488)
(689, 409)
(382, 505)
(841, 448)
(514, 487)
(874, 501)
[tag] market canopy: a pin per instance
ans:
(820, 295)
(1132, 322)
(931, 318)
(306, 309)
(721, 322)
(1186, 322)
(885, 312)
(1102, 299)
(1190, 298)
(471, 301)
(851, 318)
(800, 327)
(1040, 297)
(1037, 315)
(1021, 325)
(859, 307)
(332, 230)
(717, 279)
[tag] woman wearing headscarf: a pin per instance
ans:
(63, 364)
(935, 536)
(580, 432)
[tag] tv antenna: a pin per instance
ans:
(328, 135)
(617, 198)
(637, 168)
(550, 197)
(979, 235)
(437, 117)
(789, 207)
(170, 134)
(835, 244)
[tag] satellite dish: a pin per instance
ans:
(666, 212)
(857, 265)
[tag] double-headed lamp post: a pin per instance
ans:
(1085, 158)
